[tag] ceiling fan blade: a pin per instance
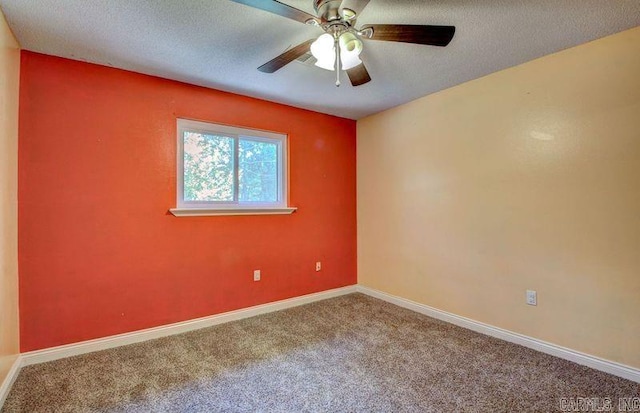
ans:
(407, 33)
(281, 9)
(358, 75)
(355, 5)
(286, 57)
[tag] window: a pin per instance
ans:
(224, 170)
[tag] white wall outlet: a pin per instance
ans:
(318, 266)
(532, 297)
(256, 275)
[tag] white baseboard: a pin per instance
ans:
(611, 367)
(55, 353)
(8, 381)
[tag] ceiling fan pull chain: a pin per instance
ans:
(337, 62)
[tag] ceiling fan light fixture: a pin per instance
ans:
(350, 49)
(349, 60)
(324, 51)
(349, 43)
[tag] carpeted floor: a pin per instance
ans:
(348, 354)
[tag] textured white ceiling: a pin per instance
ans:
(219, 43)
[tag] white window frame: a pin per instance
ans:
(203, 208)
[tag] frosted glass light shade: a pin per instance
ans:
(349, 60)
(324, 51)
(350, 49)
(349, 43)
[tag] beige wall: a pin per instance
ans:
(9, 79)
(528, 178)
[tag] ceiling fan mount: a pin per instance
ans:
(332, 19)
(340, 46)
(329, 11)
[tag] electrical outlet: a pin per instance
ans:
(318, 266)
(256, 275)
(532, 297)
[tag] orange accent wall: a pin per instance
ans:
(98, 252)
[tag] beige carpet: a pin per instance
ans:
(347, 354)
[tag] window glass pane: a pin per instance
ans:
(258, 171)
(208, 167)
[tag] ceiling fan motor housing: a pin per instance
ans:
(327, 10)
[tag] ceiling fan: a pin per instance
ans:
(340, 46)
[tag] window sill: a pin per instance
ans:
(208, 212)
